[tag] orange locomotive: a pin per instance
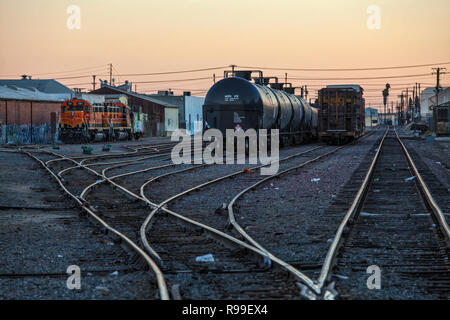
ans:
(82, 121)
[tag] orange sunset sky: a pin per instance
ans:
(145, 36)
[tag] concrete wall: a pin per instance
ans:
(171, 120)
(194, 113)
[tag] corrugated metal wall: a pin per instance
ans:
(22, 112)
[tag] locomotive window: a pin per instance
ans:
(75, 108)
(63, 109)
(87, 108)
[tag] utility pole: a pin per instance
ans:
(414, 103)
(306, 93)
(285, 77)
(214, 78)
(93, 83)
(419, 103)
(401, 107)
(407, 105)
(437, 89)
(110, 74)
(438, 78)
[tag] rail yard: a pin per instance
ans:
(224, 159)
(140, 227)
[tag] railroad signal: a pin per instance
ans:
(385, 95)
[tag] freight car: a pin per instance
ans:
(81, 121)
(441, 119)
(341, 113)
(237, 103)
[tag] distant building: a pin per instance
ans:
(190, 109)
(371, 117)
(428, 99)
(26, 106)
(45, 86)
(154, 108)
(388, 118)
(166, 111)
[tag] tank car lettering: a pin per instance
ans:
(231, 98)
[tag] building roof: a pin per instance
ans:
(137, 95)
(14, 93)
(345, 86)
(46, 86)
(430, 90)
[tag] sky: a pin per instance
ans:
(148, 36)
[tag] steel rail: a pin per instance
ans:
(439, 215)
(253, 248)
(236, 225)
(106, 179)
(105, 156)
(337, 241)
(159, 275)
(328, 264)
(110, 163)
(162, 286)
(312, 284)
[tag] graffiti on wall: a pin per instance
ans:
(25, 134)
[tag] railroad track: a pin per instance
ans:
(132, 217)
(197, 214)
(395, 224)
(239, 267)
(116, 224)
(139, 257)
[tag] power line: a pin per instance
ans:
(174, 80)
(364, 78)
(349, 69)
(73, 77)
(170, 72)
(70, 71)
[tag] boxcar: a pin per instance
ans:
(341, 113)
(441, 119)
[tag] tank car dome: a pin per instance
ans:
(233, 91)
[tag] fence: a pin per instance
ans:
(23, 134)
